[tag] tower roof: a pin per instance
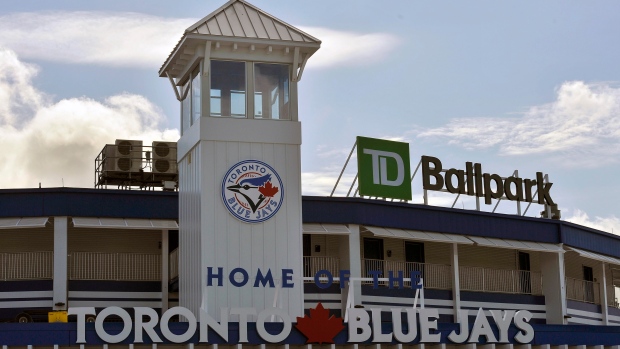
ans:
(240, 23)
(237, 18)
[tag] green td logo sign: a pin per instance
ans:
(383, 168)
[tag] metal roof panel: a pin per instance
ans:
(515, 244)
(418, 235)
(23, 222)
(595, 256)
(317, 228)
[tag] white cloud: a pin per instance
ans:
(606, 224)
(17, 95)
(340, 48)
(50, 142)
(139, 40)
(584, 119)
(322, 183)
(116, 39)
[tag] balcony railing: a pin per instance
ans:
(114, 266)
(500, 280)
(27, 265)
(436, 276)
(313, 264)
(173, 264)
(583, 291)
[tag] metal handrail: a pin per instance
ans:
(311, 265)
(114, 266)
(37, 265)
(582, 290)
(481, 279)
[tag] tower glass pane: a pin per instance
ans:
(196, 103)
(228, 88)
(271, 95)
(185, 110)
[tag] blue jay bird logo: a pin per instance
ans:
(252, 191)
(246, 188)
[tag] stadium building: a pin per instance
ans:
(229, 253)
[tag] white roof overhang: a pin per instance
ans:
(124, 223)
(333, 229)
(418, 235)
(595, 256)
(239, 24)
(23, 222)
(191, 48)
(516, 244)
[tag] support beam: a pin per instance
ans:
(206, 62)
(60, 263)
(456, 285)
(165, 273)
(303, 65)
(350, 258)
(554, 287)
(295, 64)
(602, 277)
(174, 87)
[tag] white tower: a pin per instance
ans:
(235, 73)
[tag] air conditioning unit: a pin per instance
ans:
(123, 156)
(164, 157)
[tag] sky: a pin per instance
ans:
(515, 85)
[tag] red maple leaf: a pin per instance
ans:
(319, 327)
(268, 190)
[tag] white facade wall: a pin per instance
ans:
(190, 280)
(437, 253)
(333, 246)
(574, 264)
(229, 243)
(27, 240)
(114, 240)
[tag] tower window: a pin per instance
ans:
(190, 105)
(228, 88)
(271, 91)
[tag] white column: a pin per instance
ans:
(603, 294)
(456, 285)
(351, 259)
(554, 286)
(165, 256)
(60, 263)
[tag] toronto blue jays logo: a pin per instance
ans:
(252, 191)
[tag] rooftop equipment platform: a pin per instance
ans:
(128, 164)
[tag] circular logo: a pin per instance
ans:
(252, 191)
